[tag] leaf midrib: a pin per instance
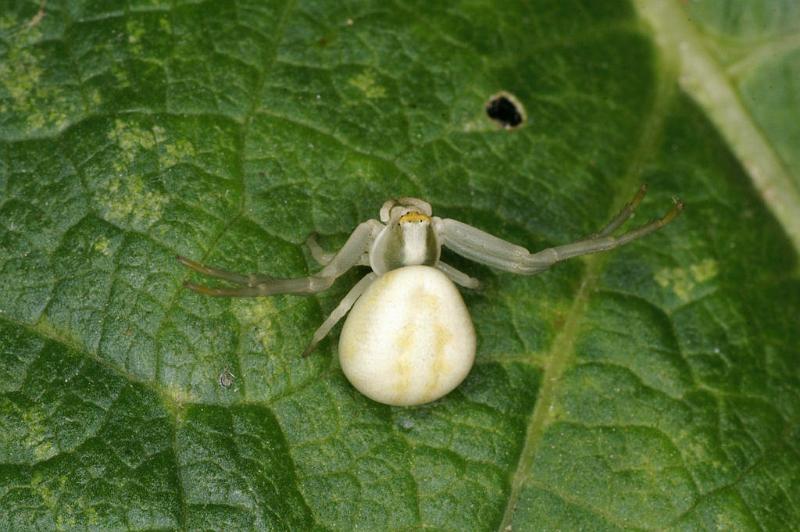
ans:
(706, 80)
(561, 351)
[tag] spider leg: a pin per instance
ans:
(252, 279)
(338, 313)
(253, 285)
(301, 285)
(484, 248)
(457, 276)
(547, 257)
(320, 255)
(623, 215)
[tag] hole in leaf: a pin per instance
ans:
(505, 110)
(226, 378)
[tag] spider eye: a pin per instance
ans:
(414, 217)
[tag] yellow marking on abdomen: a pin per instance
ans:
(441, 338)
(403, 376)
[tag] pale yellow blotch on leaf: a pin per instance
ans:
(704, 271)
(129, 198)
(96, 97)
(366, 83)
(132, 140)
(40, 486)
(43, 105)
(37, 437)
(135, 31)
(178, 394)
(171, 153)
(101, 245)
(66, 512)
(258, 315)
(682, 281)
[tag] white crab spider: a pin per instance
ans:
(409, 339)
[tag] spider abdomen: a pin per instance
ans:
(409, 338)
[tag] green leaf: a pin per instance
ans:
(655, 386)
(741, 62)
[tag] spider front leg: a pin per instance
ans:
(250, 280)
(482, 247)
(601, 242)
(623, 215)
(253, 285)
(323, 258)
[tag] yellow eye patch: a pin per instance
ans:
(414, 217)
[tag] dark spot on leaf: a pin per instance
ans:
(405, 423)
(558, 321)
(326, 39)
(226, 378)
(505, 110)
